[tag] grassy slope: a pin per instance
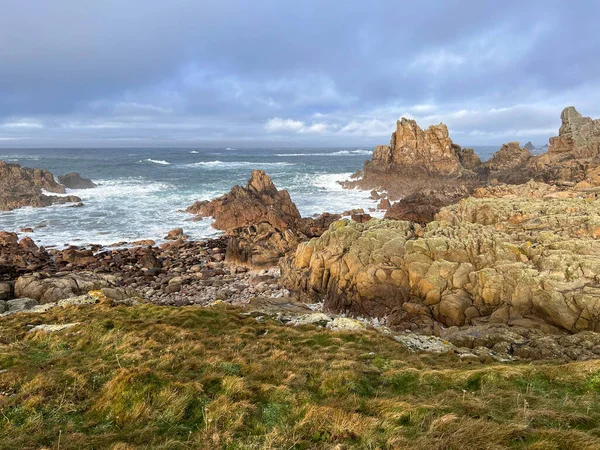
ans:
(188, 378)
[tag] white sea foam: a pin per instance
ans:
(235, 164)
(338, 153)
(194, 152)
(158, 161)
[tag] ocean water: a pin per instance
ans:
(141, 191)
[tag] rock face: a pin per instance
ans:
(529, 146)
(571, 154)
(74, 180)
(509, 164)
(421, 207)
(22, 186)
(431, 150)
(258, 202)
(579, 136)
(419, 161)
(519, 255)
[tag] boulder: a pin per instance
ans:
(74, 180)
(50, 289)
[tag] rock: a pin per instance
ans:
(310, 319)
(22, 186)
(26, 230)
(410, 146)
(143, 243)
(6, 291)
(417, 160)
(85, 299)
(528, 257)
(418, 343)
(421, 207)
(317, 226)
(508, 164)
(258, 202)
(529, 146)
(175, 234)
(468, 158)
(76, 256)
(384, 204)
(21, 304)
(578, 135)
(52, 328)
(361, 218)
(75, 181)
(7, 238)
(346, 324)
(3, 306)
(47, 289)
(261, 245)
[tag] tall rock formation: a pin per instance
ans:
(262, 222)
(22, 186)
(572, 153)
(578, 136)
(417, 160)
(258, 202)
(410, 147)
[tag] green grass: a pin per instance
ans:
(152, 377)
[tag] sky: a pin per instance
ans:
(283, 73)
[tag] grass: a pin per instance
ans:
(152, 377)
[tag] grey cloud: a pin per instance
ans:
(153, 72)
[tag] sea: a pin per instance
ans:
(141, 192)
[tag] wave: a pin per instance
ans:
(194, 152)
(338, 153)
(229, 148)
(235, 164)
(158, 161)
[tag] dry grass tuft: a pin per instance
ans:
(192, 378)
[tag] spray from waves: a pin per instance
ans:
(194, 152)
(157, 161)
(235, 164)
(338, 153)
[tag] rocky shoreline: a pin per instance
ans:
(492, 259)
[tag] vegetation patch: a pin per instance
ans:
(192, 378)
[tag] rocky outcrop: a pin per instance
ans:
(258, 202)
(468, 158)
(22, 186)
(74, 180)
(578, 136)
(525, 256)
(417, 160)
(430, 150)
(508, 165)
(571, 154)
(19, 256)
(529, 146)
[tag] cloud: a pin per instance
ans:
(298, 72)
(278, 125)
